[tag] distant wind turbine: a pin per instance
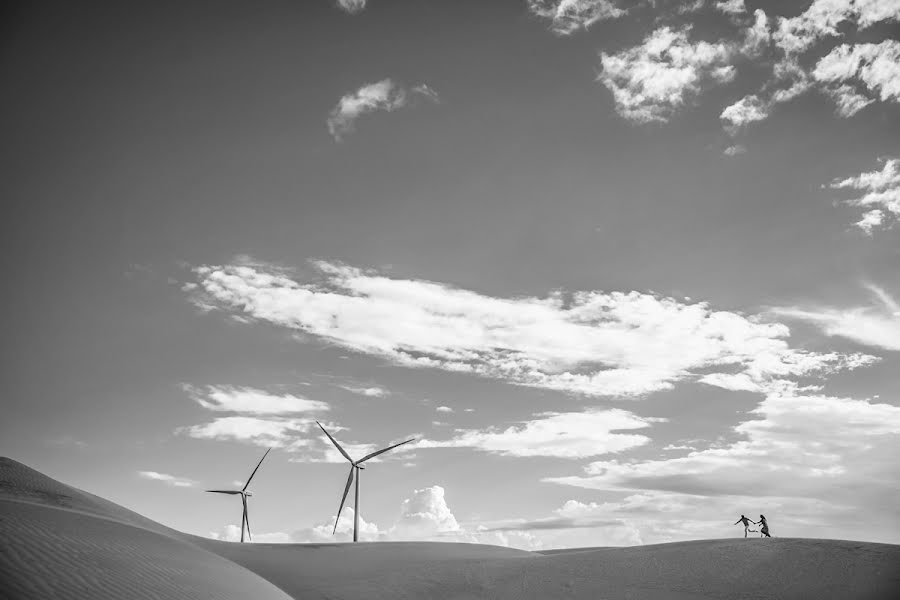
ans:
(354, 466)
(245, 520)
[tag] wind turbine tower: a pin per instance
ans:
(355, 466)
(244, 494)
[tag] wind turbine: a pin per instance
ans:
(354, 466)
(245, 520)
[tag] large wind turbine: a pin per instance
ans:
(354, 466)
(245, 520)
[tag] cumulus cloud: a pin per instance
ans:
(875, 325)
(351, 6)
(444, 409)
(652, 80)
(875, 66)
(562, 435)
(853, 75)
(732, 7)
(596, 343)
(249, 400)
(383, 95)
(167, 479)
(569, 16)
(880, 195)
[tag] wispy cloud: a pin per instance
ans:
(560, 435)
(784, 451)
(874, 325)
(372, 391)
(652, 80)
(597, 343)
(167, 479)
(249, 400)
(444, 409)
(385, 95)
(569, 16)
(880, 195)
(260, 418)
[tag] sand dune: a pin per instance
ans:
(59, 542)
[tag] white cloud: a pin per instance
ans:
(351, 6)
(267, 432)
(880, 194)
(383, 95)
(167, 479)
(733, 7)
(734, 150)
(251, 401)
(444, 409)
(569, 16)
(651, 81)
(746, 110)
(425, 515)
(808, 446)
(561, 435)
(596, 343)
(877, 326)
(372, 391)
(875, 66)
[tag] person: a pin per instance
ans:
(764, 529)
(746, 523)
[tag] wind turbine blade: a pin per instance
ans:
(232, 492)
(334, 441)
(382, 451)
(247, 519)
(343, 498)
(256, 469)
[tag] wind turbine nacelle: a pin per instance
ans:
(248, 494)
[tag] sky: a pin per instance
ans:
(624, 270)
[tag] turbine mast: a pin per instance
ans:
(356, 506)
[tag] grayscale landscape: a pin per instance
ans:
(450, 299)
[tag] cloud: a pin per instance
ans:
(167, 479)
(373, 391)
(844, 74)
(880, 195)
(876, 326)
(875, 66)
(651, 81)
(831, 449)
(269, 432)
(444, 409)
(734, 150)
(383, 95)
(560, 435)
(732, 7)
(252, 401)
(569, 16)
(594, 343)
(746, 110)
(351, 6)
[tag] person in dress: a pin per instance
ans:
(764, 527)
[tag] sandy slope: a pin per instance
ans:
(59, 542)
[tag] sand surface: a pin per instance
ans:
(59, 542)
